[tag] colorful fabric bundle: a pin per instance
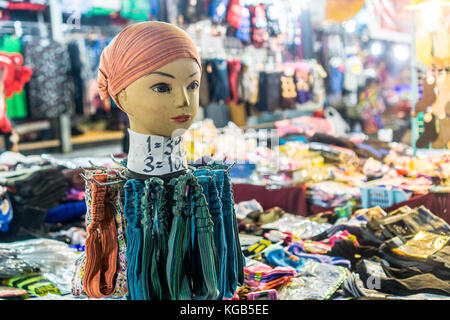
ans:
(324, 246)
(297, 250)
(263, 277)
(112, 198)
(181, 237)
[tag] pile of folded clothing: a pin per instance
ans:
(331, 193)
(32, 193)
(260, 276)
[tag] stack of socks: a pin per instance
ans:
(263, 277)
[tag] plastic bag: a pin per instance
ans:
(298, 226)
(54, 259)
(315, 280)
(12, 266)
(423, 245)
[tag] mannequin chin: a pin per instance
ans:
(165, 102)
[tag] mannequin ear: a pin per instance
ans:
(122, 98)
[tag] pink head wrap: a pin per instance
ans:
(138, 50)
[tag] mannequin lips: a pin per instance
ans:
(184, 118)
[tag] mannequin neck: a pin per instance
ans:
(153, 155)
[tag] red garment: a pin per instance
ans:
(15, 75)
(234, 66)
(234, 14)
(259, 25)
(26, 6)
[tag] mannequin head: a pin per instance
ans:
(165, 100)
(152, 71)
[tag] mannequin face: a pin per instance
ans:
(164, 101)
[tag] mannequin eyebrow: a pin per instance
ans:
(163, 74)
(171, 76)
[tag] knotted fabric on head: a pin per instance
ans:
(138, 50)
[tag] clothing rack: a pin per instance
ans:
(20, 28)
(108, 31)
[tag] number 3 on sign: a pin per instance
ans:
(149, 164)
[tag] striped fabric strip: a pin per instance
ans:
(128, 213)
(236, 260)
(160, 234)
(180, 231)
(101, 245)
(206, 180)
(205, 241)
(138, 189)
(147, 222)
(133, 198)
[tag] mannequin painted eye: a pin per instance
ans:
(161, 88)
(194, 85)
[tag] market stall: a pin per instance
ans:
(233, 150)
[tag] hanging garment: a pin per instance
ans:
(159, 229)
(269, 91)
(258, 25)
(234, 252)
(204, 86)
(218, 10)
(99, 7)
(307, 42)
(134, 190)
(205, 179)
(154, 9)
(50, 90)
(79, 82)
(234, 14)
(288, 92)
(113, 198)
(234, 67)
(218, 80)
(273, 16)
(191, 245)
(17, 104)
(135, 10)
(244, 29)
(192, 10)
(101, 246)
(250, 86)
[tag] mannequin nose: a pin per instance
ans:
(183, 100)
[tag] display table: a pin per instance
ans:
(293, 200)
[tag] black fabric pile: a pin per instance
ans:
(379, 269)
(32, 194)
